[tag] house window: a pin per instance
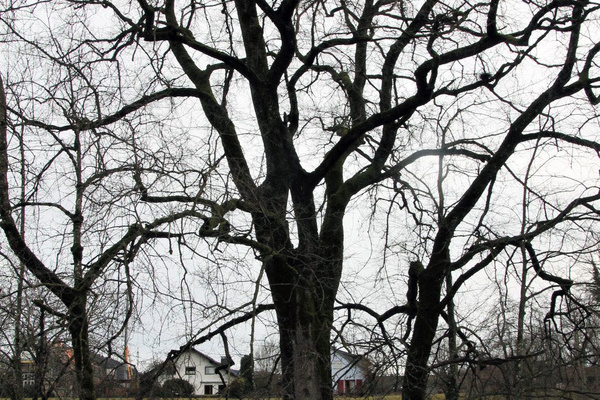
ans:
(28, 379)
(349, 386)
(208, 389)
(209, 370)
(190, 370)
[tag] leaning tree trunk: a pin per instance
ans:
(426, 322)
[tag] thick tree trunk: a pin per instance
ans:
(305, 350)
(304, 295)
(426, 322)
(79, 330)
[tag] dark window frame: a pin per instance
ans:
(190, 370)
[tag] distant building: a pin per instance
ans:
(206, 374)
(50, 371)
(56, 373)
(114, 378)
(349, 372)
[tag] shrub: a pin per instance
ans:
(177, 388)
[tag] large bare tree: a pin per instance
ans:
(297, 108)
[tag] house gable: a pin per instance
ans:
(348, 372)
(202, 372)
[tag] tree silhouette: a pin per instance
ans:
(298, 109)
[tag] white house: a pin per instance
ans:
(348, 372)
(204, 373)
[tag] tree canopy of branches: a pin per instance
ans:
(256, 123)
